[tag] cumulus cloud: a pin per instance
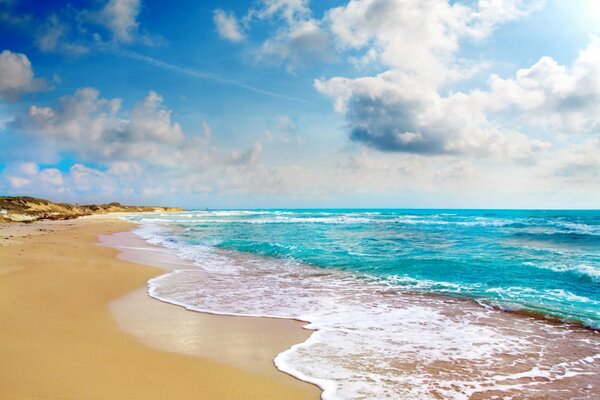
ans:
(301, 43)
(76, 31)
(95, 127)
(392, 112)
(29, 175)
(139, 148)
(84, 179)
(51, 176)
(414, 35)
(16, 76)
(418, 36)
(227, 26)
(150, 121)
(299, 40)
(16, 182)
(416, 43)
(81, 116)
(560, 98)
(21, 174)
(408, 107)
(415, 133)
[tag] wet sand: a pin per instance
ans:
(252, 343)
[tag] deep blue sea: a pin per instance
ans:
(424, 283)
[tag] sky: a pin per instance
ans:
(302, 104)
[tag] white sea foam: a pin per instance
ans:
(283, 217)
(579, 269)
(374, 342)
(310, 220)
(579, 228)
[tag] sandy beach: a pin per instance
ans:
(75, 323)
(295, 199)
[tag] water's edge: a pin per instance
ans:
(456, 329)
(155, 252)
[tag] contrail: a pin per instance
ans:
(204, 75)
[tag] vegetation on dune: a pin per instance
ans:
(27, 209)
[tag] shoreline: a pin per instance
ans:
(171, 261)
(253, 351)
(58, 338)
(135, 249)
(133, 310)
(515, 353)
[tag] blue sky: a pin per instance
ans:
(292, 103)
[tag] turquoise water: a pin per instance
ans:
(389, 295)
(543, 261)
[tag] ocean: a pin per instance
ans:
(415, 304)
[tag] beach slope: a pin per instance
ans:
(58, 339)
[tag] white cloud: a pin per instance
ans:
(248, 156)
(125, 169)
(296, 46)
(138, 149)
(395, 112)
(17, 182)
(488, 14)
(52, 36)
(409, 108)
(100, 130)
(150, 121)
(283, 131)
(28, 176)
(120, 17)
(403, 108)
(559, 98)
(227, 26)
(413, 35)
(16, 76)
(29, 168)
(51, 176)
(85, 179)
(298, 41)
(75, 32)
(97, 130)
(289, 10)
(81, 116)
(578, 164)
(420, 37)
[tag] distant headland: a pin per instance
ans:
(28, 209)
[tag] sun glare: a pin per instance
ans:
(593, 8)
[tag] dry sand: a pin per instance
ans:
(60, 340)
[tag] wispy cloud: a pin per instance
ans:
(227, 26)
(196, 73)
